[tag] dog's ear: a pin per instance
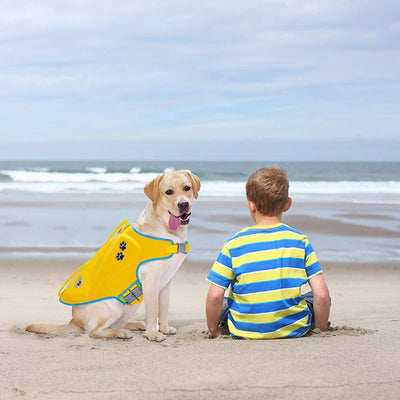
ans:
(195, 183)
(152, 191)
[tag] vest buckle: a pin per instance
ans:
(181, 247)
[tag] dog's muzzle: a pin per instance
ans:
(185, 218)
(176, 221)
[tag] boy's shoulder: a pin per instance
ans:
(243, 232)
(282, 228)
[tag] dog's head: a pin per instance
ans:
(172, 194)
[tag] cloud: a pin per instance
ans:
(204, 69)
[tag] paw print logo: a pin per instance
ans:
(122, 246)
(78, 282)
(120, 256)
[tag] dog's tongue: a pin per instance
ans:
(174, 222)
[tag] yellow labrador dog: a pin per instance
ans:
(166, 216)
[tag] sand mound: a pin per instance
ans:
(340, 330)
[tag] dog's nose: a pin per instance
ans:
(183, 206)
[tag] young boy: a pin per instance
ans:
(265, 265)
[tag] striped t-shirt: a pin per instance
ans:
(265, 267)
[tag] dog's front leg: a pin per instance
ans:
(163, 305)
(151, 284)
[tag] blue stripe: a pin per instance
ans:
(300, 331)
(309, 249)
(218, 279)
(313, 269)
(267, 245)
(284, 259)
(266, 307)
(252, 231)
(224, 260)
(89, 302)
(270, 326)
(266, 286)
(265, 265)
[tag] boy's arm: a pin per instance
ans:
(322, 301)
(214, 301)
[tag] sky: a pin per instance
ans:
(203, 80)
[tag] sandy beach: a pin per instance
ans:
(357, 358)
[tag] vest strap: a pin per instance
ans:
(132, 295)
(177, 248)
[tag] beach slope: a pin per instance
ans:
(357, 359)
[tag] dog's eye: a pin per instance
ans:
(186, 188)
(169, 192)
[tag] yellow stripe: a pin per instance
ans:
(265, 297)
(225, 251)
(311, 259)
(268, 255)
(283, 332)
(264, 318)
(272, 274)
(248, 228)
(223, 270)
(264, 237)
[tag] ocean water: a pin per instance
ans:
(53, 209)
(357, 181)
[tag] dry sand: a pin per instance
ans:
(357, 359)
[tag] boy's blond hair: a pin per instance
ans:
(268, 188)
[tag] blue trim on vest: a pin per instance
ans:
(137, 271)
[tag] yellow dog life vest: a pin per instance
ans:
(113, 272)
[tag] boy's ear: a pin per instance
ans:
(252, 206)
(288, 205)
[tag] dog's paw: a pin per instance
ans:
(124, 334)
(136, 326)
(154, 336)
(168, 330)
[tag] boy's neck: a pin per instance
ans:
(266, 220)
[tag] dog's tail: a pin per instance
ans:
(54, 329)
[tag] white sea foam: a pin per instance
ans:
(25, 176)
(97, 170)
(345, 187)
(98, 180)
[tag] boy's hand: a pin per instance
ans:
(216, 333)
